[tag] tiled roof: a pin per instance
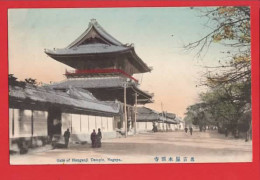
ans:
(94, 24)
(146, 114)
(86, 83)
(74, 98)
(99, 82)
(88, 49)
(169, 115)
(96, 41)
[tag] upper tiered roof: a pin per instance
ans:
(95, 31)
(95, 48)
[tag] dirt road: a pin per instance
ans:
(162, 147)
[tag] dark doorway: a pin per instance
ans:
(54, 121)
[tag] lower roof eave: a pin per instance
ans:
(18, 103)
(141, 92)
(146, 101)
(143, 120)
(55, 54)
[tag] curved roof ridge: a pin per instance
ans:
(100, 30)
(80, 37)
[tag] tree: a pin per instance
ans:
(231, 28)
(31, 81)
(200, 115)
(227, 108)
(12, 81)
(228, 98)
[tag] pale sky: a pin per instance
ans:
(157, 33)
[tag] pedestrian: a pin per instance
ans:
(154, 127)
(67, 137)
(93, 138)
(226, 132)
(99, 137)
(186, 130)
(191, 130)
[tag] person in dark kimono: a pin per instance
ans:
(191, 130)
(154, 127)
(93, 138)
(99, 137)
(226, 132)
(67, 137)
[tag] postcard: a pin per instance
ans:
(130, 85)
(169, 86)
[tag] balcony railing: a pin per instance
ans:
(78, 72)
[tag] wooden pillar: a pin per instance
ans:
(163, 117)
(125, 115)
(32, 129)
(70, 123)
(88, 123)
(135, 111)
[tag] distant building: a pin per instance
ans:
(147, 118)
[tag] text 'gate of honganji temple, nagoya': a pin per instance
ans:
(100, 93)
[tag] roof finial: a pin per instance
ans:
(93, 21)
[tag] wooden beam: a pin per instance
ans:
(32, 125)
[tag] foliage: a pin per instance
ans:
(12, 81)
(228, 99)
(230, 26)
(199, 116)
(31, 81)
